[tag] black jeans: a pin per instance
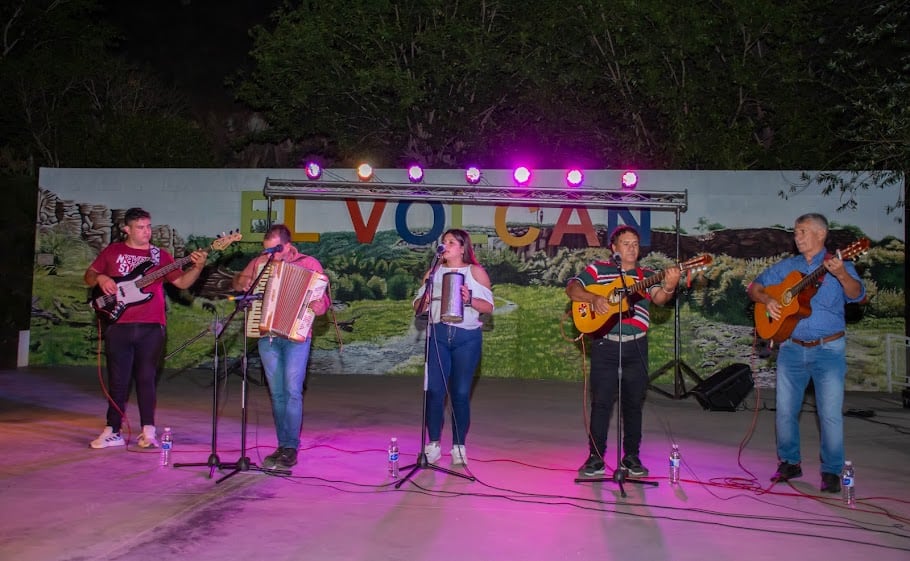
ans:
(605, 361)
(133, 352)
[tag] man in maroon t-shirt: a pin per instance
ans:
(134, 342)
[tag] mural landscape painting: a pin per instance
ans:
(371, 329)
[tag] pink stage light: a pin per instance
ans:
(574, 177)
(629, 180)
(521, 175)
(415, 173)
(365, 172)
(313, 170)
(472, 175)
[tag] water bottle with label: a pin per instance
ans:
(393, 458)
(167, 443)
(675, 461)
(848, 484)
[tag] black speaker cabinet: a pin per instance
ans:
(725, 390)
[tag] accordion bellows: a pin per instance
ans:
(287, 291)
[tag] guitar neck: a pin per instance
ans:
(647, 283)
(809, 279)
(164, 271)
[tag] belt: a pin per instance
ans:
(615, 336)
(818, 342)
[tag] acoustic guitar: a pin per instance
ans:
(588, 321)
(129, 287)
(794, 294)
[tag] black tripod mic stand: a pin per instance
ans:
(621, 473)
(422, 462)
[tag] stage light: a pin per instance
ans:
(472, 175)
(313, 170)
(629, 180)
(574, 177)
(521, 175)
(365, 172)
(415, 174)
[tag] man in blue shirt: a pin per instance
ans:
(815, 350)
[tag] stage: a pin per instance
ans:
(63, 500)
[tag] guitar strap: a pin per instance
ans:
(155, 254)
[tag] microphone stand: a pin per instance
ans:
(243, 463)
(422, 462)
(620, 474)
(213, 461)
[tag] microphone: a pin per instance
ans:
(276, 249)
(245, 297)
(440, 249)
(617, 259)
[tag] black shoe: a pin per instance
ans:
(593, 466)
(634, 466)
(287, 459)
(830, 483)
(786, 471)
(271, 460)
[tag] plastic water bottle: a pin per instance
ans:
(167, 442)
(848, 484)
(675, 460)
(393, 458)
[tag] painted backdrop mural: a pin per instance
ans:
(375, 252)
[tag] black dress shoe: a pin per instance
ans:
(786, 471)
(830, 483)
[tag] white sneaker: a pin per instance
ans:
(459, 455)
(107, 438)
(147, 438)
(432, 452)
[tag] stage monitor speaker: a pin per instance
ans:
(725, 390)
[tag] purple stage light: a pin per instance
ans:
(415, 173)
(574, 177)
(521, 175)
(472, 175)
(629, 180)
(313, 170)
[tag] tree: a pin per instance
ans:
(600, 83)
(871, 75)
(65, 100)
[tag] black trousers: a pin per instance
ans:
(604, 382)
(133, 352)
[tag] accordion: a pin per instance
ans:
(287, 291)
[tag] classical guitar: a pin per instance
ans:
(588, 321)
(129, 287)
(794, 294)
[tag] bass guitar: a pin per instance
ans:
(129, 287)
(588, 321)
(794, 294)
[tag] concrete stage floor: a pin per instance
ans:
(63, 501)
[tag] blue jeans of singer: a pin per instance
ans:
(285, 364)
(826, 366)
(454, 354)
(133, 352)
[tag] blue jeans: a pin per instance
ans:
(285, 362)
(826, 366)
(453, 357)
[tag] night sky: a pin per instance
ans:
(194, 44)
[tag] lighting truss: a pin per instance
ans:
(483, 194)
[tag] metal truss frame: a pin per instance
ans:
(481, 194)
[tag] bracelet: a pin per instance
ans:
(664, 288)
